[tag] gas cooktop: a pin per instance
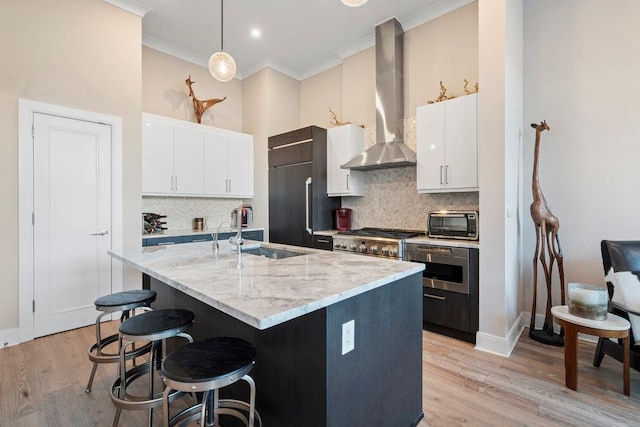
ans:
(388, 233)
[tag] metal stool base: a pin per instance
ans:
(96, 355)
(199, 411)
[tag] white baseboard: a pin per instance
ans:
(502, 346)
(9, 337)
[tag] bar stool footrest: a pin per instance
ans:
(225, 407)
(113, 357)
(133, 402)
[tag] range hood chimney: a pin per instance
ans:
(389, 151)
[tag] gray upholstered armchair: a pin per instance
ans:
(619, 256)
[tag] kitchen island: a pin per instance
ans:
(292, 310)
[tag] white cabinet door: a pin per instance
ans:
(461, 153)
(228, 170)
(157, 157)
(240, 165)
(343, 144)
(430, 146)
(447, 145)
(188, 161)
(215, 165)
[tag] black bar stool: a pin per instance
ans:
(154, 327)
(125, 302)
(207, 366)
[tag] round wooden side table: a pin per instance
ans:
(613, 327)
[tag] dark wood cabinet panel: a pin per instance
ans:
(323, 242)
(450, 309)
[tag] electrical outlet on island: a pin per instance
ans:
(348, 336)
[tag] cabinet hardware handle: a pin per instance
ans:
(322, 241)
(102, 233)
(176, 183)
(441, 180)
(347, 182)
(307, 183)
(446, 175)
(435, 297)
(199, 240)
(229, 185)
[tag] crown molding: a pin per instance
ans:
(320, 68)
(179, 53)
(131, 6)
(274, 66)
(437, 10)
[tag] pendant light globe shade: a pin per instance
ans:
(222, 66)
(354, 3)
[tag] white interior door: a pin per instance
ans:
(72, 221)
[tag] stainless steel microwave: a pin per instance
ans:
(453, 224)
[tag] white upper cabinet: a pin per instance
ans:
(187, 159)
(228, 161)
(157, 157)
(447, 145)
(188, 164)
(343, 144)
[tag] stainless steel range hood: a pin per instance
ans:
(389, 151)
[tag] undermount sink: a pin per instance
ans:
(271, 252)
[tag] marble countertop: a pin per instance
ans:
(265, 292)
(171, 233)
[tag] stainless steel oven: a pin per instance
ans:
(446, 268)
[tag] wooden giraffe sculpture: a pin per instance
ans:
(200, 106)
(547, 243)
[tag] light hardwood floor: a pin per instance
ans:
(42, 383)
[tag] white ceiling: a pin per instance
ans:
(299, 37)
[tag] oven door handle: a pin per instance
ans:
(435, 297)
(435, 251)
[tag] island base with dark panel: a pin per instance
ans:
(303, 379)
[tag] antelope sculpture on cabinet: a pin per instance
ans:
(200, 106)
(547, 243)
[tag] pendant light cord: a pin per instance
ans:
(221, 26)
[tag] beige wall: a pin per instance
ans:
(319, 93)
(164, 91)
(83, 54)
(271, 106)
(444, 49)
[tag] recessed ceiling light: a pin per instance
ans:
(255, 33)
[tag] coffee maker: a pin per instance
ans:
(247, 215)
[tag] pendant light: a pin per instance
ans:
(221, 65)
(354, 3)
